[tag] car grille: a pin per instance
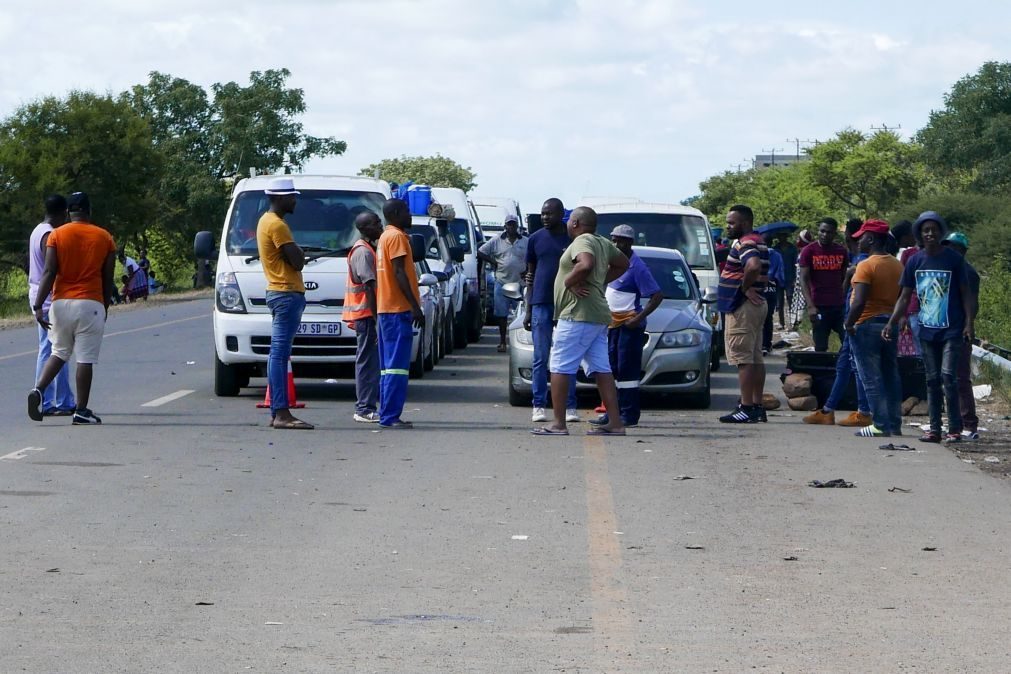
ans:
(311, 346)
(669, 379)
(325, 302)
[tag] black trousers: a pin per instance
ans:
(772, 295)
(831, 320)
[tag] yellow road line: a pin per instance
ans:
(35, 352)
(612, 626)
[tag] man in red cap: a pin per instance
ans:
(875, 292)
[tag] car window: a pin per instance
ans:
(674, 279)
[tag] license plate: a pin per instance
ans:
(319, 329)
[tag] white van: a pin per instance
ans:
(323, 225)
(681, 228)
(465, 228)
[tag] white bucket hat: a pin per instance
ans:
(280, 187)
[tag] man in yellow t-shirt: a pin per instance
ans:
(282, 262)
(399, 306)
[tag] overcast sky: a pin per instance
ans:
(572, 98)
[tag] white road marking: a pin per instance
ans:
(21, 453)
(158, 402)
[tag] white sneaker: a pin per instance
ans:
(539, 414)
(370, 418)
(572, 415)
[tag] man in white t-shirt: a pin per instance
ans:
(57, 398)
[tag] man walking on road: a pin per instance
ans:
(823, 267)
(399, 307)
(940, 278)
(742, 301)
(626, 335)
(584, 270)
(543, 253)
(57, 398)
(282, 260)
(507, 253)
(360, 312)
(80, 260)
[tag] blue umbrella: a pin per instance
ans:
(776, 227)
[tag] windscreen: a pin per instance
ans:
(459, 230)
(492, 217)
(674, 279)
(687, 234)
(323, 220)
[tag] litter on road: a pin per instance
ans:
(838, 483)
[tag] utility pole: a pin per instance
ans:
(773, 151)
(885, 127)
(798, 141)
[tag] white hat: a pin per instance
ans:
(511, 217)
(280, 187)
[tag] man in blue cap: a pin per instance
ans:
(947, 315)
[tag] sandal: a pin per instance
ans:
(293, 425)
(871, 431)
(544, 430)
(930, 436)
(600, 430)
(897, 448)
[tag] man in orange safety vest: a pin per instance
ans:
(360, 314)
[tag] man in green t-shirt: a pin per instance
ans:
(582, 314)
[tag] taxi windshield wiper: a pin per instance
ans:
(319, 250)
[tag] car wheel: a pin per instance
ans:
(460, 330)
(226, 379)
(417, 370)
(428, 362)
(448, 335)
(475, 321)
(517, 399)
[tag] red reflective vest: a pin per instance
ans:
(356, 302)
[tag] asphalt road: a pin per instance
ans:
(187, 536)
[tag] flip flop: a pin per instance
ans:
(897, 448)
(600, 430)
(543, 430)
(293, 425)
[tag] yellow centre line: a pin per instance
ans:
(612, 625)
(35, 352)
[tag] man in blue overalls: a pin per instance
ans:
(627, 334)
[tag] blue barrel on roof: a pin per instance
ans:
(418, 199)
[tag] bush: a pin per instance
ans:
(994, 321)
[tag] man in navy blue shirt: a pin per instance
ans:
(544, 250)
(940, 278)
(627, 334)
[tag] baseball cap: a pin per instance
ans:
(78, 201)
(957, 238)
(280, 187)
(511, 217)
(875, 226)
(624, 231)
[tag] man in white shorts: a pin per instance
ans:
(80, 260)
(584, 270)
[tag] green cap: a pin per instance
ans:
(957, 238)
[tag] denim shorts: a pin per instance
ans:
(576, 342)
(502, 303)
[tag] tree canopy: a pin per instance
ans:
(437, 171)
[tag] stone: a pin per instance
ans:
(908, 404)
(921, 409)
(803, 403)
(797, 385)
(770, 402)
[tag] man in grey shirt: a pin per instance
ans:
(360, 315)
(508, 254)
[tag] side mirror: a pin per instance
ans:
(418, 247)
(203, 246)
(457, 254)
(710, 295)
(428, 280)
(512, 291)
(440, 276)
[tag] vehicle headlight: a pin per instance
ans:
(680, 339)
(524, 337)
(229, 297)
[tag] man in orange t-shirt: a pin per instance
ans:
(80, 259)
(399, 306)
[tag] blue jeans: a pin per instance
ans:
(286, 313)
(878, 368)
(914, 327)
(396, 336)
(624, 346)
(846, 367)
(940, 360)
(542, 324)
(367, 366)
(57, 395)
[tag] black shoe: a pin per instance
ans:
(600, 421)
(763, 417)
(35, 405)
(83, 417)
(745, 415)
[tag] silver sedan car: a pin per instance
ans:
(675, 359)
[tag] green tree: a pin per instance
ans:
(869, 175)
(83, 142)
(969, 140)
(774, 194)
(437, 171)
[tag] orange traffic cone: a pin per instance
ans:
(292, 400)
